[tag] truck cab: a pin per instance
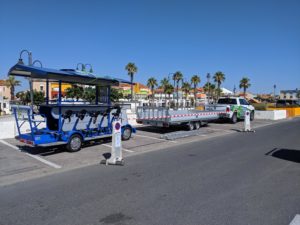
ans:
(235, 108)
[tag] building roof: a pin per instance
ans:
(2, 83)
(290, 91)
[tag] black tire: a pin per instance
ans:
(190, 126)
(126, 135)
(197, 125)
(234, 118)
(252, 116)
(75, 143)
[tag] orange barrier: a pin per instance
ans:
(290, 112)
(200, 107)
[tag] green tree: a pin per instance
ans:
(24, 96)
(89, 94)
(210, 89)
(245, 84)
(152, 82)
(186, 87)
(11, 83)
(131, 70)
(219, 77)
(115, 95)
(164, 84)
(195, 80)
(74, 92)
(169, 90)
(177, 77)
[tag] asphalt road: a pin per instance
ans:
(240, 178)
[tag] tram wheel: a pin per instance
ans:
(126, 134)
(75, 143)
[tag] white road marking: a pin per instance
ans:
(33, 156)
(296, 220)
(124, 149)
(153, 138)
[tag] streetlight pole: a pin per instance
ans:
(274, 92)
(208, 85)
(91, 68)
(30, 80)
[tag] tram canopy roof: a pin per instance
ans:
(64, 75)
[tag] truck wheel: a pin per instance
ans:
(252, 116)
(75, 143)
(234, 118)
(197, 125)
(190, 126)
(126, 134)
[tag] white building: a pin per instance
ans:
(4, 106)
(290, 94)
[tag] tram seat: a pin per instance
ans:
(83, 119)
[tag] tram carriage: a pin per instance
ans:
(69, 123)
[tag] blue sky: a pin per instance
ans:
(257, 39)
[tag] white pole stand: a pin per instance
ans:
(247, 125)
(116, 157)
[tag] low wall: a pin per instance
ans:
(270, 115)
(290, 112)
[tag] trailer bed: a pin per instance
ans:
(165, 117)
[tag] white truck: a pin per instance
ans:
(234, 108)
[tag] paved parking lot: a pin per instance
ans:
(19, 162)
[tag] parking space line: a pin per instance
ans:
(296, 220)
(124, 149)
(154, 138)
(32, 156)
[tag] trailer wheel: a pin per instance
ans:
(197, 125)
(190, 126)
(252, 116)
(126, 134)
(75, 143)
(234, 118)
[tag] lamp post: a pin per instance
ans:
(37, 61)
(30, 80)
(208, 85)
(274, 92)
(91, 68)
(234, 90)
(29, 57)
(82, 67)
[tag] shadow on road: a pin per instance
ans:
(286, 154)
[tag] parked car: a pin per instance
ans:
(235, 108)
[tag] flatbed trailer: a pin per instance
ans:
(64, 122)
(165, 117)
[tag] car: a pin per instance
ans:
(235, 108)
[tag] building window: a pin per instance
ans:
(41, 88)
(4, 105)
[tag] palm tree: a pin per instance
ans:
(186, 87)
(177, 77)
(245, 83)
(209, 88)
(164, 83)
(195, 80)
(152, 82)
(131, 69)
(12, 83)
(169, 90)
(219, 77)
